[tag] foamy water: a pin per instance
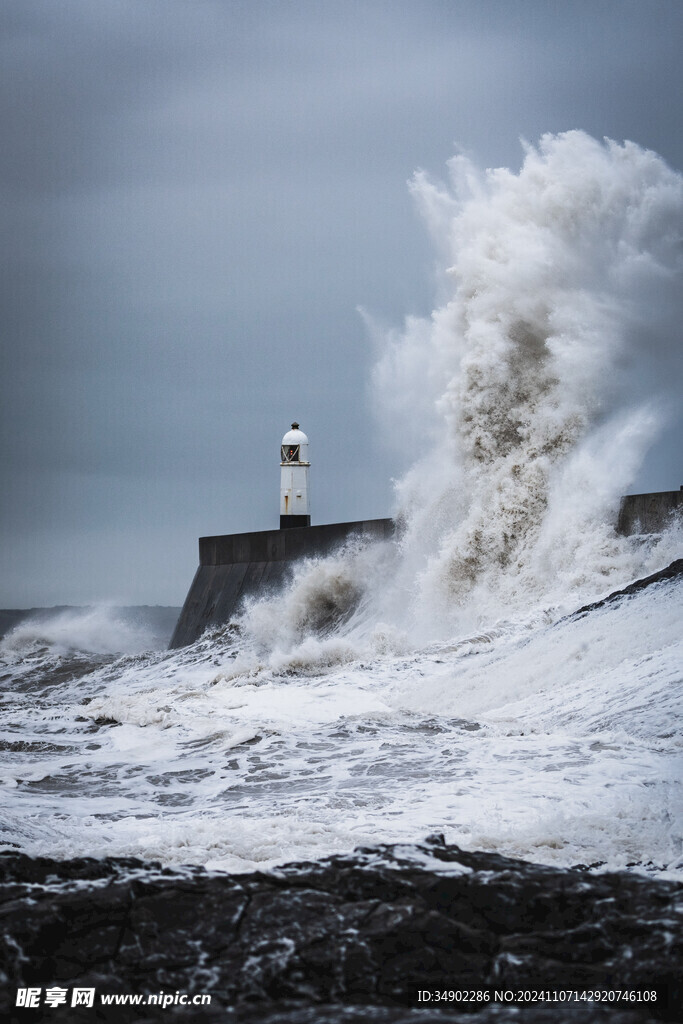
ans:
(435, 683)
(557, 742)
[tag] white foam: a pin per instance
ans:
(98, 630)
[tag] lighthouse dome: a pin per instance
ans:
(295, 436)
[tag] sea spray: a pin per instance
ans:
(100, 629)
(540, 382)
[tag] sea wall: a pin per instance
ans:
(649, 513)
(234, 566)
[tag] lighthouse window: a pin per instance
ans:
(289, 453)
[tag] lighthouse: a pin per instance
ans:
(295, 509)
(236, 566)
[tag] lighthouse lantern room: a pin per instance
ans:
(295, 509)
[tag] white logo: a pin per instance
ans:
(83, 997)
(28, 997)
(55, 996)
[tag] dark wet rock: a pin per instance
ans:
(671, 572)
(490, 1014)
(348, 939)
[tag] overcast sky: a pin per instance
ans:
(197, 196)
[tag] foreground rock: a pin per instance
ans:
(352, 938)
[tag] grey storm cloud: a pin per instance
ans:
(198, 196)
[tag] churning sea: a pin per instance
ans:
(552, 738)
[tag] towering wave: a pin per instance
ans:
(535, 389)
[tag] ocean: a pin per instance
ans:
(441, 682)
(552, 739)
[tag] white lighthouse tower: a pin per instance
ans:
(295, 509)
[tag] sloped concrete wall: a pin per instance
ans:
(234, 566)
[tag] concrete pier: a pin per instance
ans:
(234, 566)
(649, 513)
(238, 565)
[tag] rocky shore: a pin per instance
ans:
(353, 938)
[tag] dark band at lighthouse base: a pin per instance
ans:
(293, 521)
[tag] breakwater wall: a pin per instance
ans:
(235, 566)
(649, 513)
(238, 565)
